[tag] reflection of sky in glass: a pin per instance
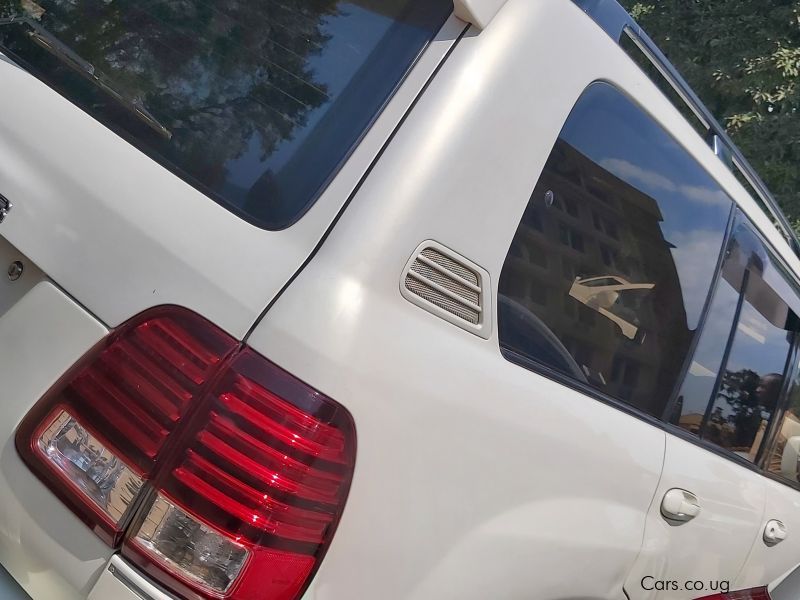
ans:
(699, 383)
(757, 346)
(613, 132)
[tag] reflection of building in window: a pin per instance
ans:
(538, 255)
(567, 205)
(611, 259)
(638, 296)
(570, 237)
(568, 270)
(604, 225)
(539, 295)
(570, 307)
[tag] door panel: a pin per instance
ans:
(728, 398)
(712, 546)
(768, 561)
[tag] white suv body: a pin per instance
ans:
(476, 476)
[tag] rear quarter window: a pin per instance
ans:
(632, 228)
(256, 103)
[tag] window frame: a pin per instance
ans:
(792, 370)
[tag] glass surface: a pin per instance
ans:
(784, 456)
(185, 544)
(750, 385)
(734, 380)
(638, 251)
(89, 466)
(701, 377)
(254, 103)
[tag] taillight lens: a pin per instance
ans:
(237, 472)
(759, 593)
(88, 467)
(96, 436)
(261, 482)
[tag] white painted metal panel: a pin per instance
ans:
(474, 477)
(711, 547)
(765, 563)
(44, 546)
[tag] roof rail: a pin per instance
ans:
(616, 22)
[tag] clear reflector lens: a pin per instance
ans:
(88, 465)
(189, 548)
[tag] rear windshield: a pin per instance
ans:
(254, 102)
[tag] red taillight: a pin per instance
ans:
(96, 436)
(237, 472)
(760, 593)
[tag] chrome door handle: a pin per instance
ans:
(774, 532)
(679, 505)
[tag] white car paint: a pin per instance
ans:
(710, 547)
(43, 545)
(782, 503)
(474, 478)
(432, 541)
(87, 202)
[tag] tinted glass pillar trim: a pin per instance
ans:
(790, 371)
(698, 334)
(725, 354)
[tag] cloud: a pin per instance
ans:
(695, 255)
(652, 182)
(705, 195)
(631, 172)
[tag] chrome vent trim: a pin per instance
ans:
(449, 286)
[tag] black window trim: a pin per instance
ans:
(701, 322)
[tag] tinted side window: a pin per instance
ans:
(256, 102)
(630, 264)
(784, 456)
(736, 376)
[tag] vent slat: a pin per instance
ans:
(437, 267)
(449, 286)
(444, 291)
(454, 285)
(430, 295)
(450, 264)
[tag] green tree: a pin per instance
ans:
(742, 57)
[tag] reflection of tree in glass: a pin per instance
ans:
(743, 400)
(219, 76)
